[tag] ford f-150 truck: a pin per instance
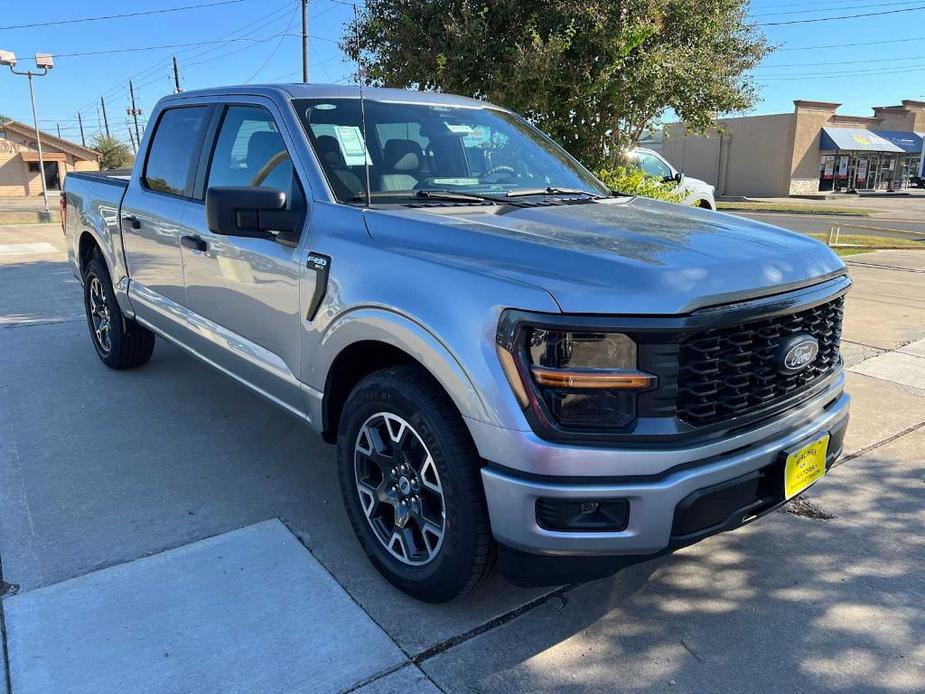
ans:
(519, 367)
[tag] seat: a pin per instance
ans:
(346, 184)
(262, 146)
(401, 161)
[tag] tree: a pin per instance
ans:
(593, 74)
(114, 154)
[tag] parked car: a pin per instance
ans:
(916, 182)
(514, 364)
(696, 192)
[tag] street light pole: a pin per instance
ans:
(43, 61)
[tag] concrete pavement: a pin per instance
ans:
(103, 471)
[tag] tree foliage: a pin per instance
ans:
(114, 154)
(631, 180)
(594, 74)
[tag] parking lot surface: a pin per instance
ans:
(101, 471)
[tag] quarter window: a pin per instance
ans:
(173, 149)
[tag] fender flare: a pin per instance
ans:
(380, 324)
(112, 256)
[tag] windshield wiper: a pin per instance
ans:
(450, 196)
(524, 192)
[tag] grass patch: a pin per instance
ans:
(792, 208)
(852, 244)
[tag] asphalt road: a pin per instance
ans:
(104, 469)
(807, 223)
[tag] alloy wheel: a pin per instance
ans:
(399, 489)
(100, 315)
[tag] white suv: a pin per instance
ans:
(696, 192)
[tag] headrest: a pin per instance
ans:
(402, 155)
(329, 151)
(262, 146)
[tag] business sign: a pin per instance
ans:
(843, 167)
(829, 167)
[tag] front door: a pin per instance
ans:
(243, 293)
(153, 216)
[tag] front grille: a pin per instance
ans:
(726, 372)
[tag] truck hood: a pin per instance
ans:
(616, 256)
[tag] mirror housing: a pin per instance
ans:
(248, 211)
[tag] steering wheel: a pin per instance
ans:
(500, 169)
(265, 170)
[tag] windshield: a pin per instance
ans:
(418, 147)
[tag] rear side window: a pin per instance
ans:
(173, 150)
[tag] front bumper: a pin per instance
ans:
(654, 499)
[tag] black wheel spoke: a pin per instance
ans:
(399, 488)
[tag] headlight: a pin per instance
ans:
(578, 379)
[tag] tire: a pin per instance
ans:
(396, 420)
(120, 342)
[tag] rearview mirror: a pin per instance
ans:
(248, 211)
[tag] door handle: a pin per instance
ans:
(132, 220)
(194, 242)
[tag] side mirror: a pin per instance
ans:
(248, 211)
(678, 177)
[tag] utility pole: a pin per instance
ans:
(80, 122)
(305, 41)
(176, 77)
(105, 119)
(45, 62)
(58, 126)
(131, 138)
(133, 112)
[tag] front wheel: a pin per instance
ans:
(120, 342)
(410, 481)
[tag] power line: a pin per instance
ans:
(851, 45)
(844, 62)
(121, 16)
(844, 16)
(182, 45)
(276, 14)
(852, 73)
(275, 50)
(864, 6)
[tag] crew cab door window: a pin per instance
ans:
(173, 149)
(250, 151)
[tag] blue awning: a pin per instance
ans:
(857, 139)
(908, 142)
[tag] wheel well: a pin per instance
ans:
(352, 365)
(85, 250)
(705, 204)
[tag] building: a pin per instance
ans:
(19, 160)
(812, 150)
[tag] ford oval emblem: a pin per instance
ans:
(797, 353)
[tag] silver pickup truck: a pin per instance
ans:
(519, 367)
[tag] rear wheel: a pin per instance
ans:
(410, 481)
(120, 342)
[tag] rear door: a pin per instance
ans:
(243, 293)
(154, 211)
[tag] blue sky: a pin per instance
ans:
(257, 41)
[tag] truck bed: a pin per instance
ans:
(116, 177)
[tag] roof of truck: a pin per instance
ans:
(298, 90)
